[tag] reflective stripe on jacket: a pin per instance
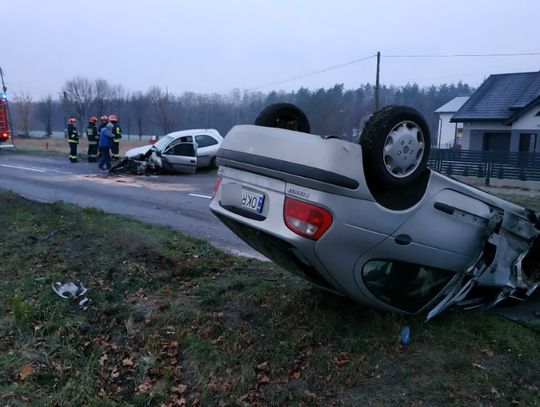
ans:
(117, 131)
(92, 133)
(73, 134)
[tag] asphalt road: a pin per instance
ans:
(178, 201)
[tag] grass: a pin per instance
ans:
(173, 320)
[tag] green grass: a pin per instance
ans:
(531, 202)
(172, 318)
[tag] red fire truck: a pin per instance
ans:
(5, 134)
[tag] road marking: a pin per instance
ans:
(201, 196)
(22, 168)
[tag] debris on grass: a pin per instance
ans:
(71, 290)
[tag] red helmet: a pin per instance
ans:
(72, 120)
(104, 118)
(93, 119)
(113, 118)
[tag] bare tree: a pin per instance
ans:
(119, 106)
(44, 112)
(162, 108)
(78, 95)
(103, 96)
(139, 105)
(23, 103)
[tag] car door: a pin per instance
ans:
(207, 148)
(181, 155)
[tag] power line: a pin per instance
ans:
(516, 54)
(355, 61)
(307, 75)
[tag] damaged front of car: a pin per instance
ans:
(370, 221)
(174, 155)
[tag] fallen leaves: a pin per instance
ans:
(478, 366)
(144, 387)
(127, 362)
(25, 371)
(263, 379)
(103, 358)
(179, 389)
(295, 375)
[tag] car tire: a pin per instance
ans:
(213, 163)
(284, 116)
(395, 146)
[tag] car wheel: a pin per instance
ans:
(213, 163)
(284, 116)
(395, 146)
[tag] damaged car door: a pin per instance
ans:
(181, 156)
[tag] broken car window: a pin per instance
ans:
(405, 286)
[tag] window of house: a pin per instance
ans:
(405, 286)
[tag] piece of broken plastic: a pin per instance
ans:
(70, 289)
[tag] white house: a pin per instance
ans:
(449, 133)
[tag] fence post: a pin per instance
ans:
(488, 173)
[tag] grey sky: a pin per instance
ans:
(212, 46)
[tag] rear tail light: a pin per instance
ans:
(305, 219)
(217, 183)
(4, 135)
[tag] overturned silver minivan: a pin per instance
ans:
(370, 220)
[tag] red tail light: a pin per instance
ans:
(4, 135)
(217, 183)
(306, 219)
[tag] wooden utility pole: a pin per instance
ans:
(377, 81)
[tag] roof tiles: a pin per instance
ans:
(499, 97)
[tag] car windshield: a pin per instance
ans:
(164, 142)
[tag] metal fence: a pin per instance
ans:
(486, 164)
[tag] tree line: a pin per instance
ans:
(332, 111)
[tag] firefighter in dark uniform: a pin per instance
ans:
(93, 139)
(117, 132)
(73, 139)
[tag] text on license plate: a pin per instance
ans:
(252, 200)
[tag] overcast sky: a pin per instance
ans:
(212, 46)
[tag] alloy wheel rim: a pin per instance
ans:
(404, 149)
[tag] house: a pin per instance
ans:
(503, 114)
(450, 134)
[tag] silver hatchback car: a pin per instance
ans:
(370, 221)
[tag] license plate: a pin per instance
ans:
(252, 200)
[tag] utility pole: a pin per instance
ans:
(377, 81)
(4, 92)
(65, 106)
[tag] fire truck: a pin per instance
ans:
(5, 134)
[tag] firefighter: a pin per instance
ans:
(73, 139)
(117, 132)
(93, 139)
